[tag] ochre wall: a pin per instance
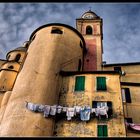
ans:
(12, 55)
(38, 82)
(132, 73)
(70, 98)
(131, 110)
(7, 79)
(8, 76)
(1, 96)
(3, 103)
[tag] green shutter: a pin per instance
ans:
(102, 131)
(80, 83)
(101, 83)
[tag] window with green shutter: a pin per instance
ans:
(102, 131)
(101, 83)
(80, 83)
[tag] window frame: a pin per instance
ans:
(17, 57)
(91, 30)
(98, 85)
(123, 95)
(102, 126)
(126, 96)
(56, 30)
(102, 104)
(128, 120)
(109, 105)
(76, 86)
(118, 69)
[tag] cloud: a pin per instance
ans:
(121, 25)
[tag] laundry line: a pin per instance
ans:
(83, 111)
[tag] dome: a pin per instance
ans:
(89, 15)
(20, 49)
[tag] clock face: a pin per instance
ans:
(88, 16)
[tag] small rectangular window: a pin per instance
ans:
(56, 31)
(126, 97)
(102, 131)
(101, 83)
(80, 83)
(94, 104)
(123, 95)
(129, 120)
(118, 69)
(101, 104)
(110, 108)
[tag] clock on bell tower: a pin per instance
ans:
(90, 26)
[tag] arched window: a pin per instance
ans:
(89, 30)
(11, 67)
(17, 57)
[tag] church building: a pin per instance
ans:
(57, 84)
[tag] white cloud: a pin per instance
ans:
(121, 28)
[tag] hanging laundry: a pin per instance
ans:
(30, 106)
(70, 112)
(41, 108)
(53, 110)
(36, 107)
(59, 109)
(64, 109)
(103, 111)
(134, 126)
(77, 108)
(92, 110)
(85, 113)
(47, 110)
(106, 107)
(97, 111)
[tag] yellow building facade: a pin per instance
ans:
(130, 86)
(115, 126)
(62, 66)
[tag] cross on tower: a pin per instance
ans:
(89, 8)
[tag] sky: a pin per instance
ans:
(121, 25)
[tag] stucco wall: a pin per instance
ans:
(12, 55)
(38, 82)
(71, 98)
(131, 110)
(132, 73)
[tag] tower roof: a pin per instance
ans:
(89, 15)
(20, 49)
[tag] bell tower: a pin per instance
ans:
(90, 26)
